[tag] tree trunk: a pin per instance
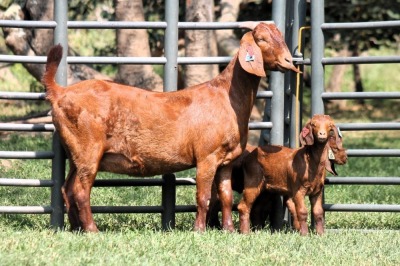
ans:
(228, 44)
(33, 42)
(336, 77)
(134, 43)
(357, 74)
(200, 42)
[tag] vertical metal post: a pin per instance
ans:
(299, 17)
(277, 81)
(317, 68)
(168, 202)
(170, 84)
(58, 162)
(317, 53)
(171, 45)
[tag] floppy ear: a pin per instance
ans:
(330, 167)
(306, 135)
(250, 57)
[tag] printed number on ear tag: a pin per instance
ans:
(250, 57)
(339, 132)
(331, 156)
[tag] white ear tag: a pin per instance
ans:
(331, 156)
(250, 57)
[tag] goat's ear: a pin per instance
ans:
(330, 167)
(306, 135)
(250, 57)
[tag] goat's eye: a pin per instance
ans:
(331, 133)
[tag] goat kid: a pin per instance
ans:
(294, 173)
(262, 207)
(105, 126)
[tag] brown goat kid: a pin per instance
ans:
(262, 206)
(105, 126)
(294, 173)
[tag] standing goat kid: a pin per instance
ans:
(294, 173)
(105, 126)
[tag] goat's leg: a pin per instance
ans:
(250, 194)
(318, 212)
(70, 204)
(224, 185)
(260, 210)
(81, 188)
(204, 178)
(213, 209)
(301, 211)
(292, 209)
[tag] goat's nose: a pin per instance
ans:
(289, 60)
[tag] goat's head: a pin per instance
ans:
(264, 47)
(337, 153)
(317, 129)
(322, 129)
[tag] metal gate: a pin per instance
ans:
(281, 122)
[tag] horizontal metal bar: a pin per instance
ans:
(361, 207)
(116, 24)
(26, 127)
(23, 59)
(260, 125)
(185, 208)
(305, 61)
(26, 155)
(28, 24)
(204, 60)
(361, 60)
(361, 25)
(369, 126)
(128, 182)
(115, 60)
(25, 182)
(264, 94)
(362, 181)
(26, 209)
(216, 25)
(373, 153)
(359, 95)
(126, 24)
(127, 209)
(9, 95)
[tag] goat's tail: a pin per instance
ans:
(53, 60)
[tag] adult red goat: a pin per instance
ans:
(105, 126)
(294, 173)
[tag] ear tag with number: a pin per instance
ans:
(250, 54)
(331, 156)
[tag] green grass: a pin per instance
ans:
(148, 247)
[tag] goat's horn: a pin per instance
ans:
(252, 24)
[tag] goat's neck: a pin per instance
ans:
(318, 154)
(241, 87)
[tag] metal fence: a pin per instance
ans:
(281, 121)
(318, 61)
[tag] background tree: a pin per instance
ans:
(200, 42)
(135, 43)
(27, 41)
(355, 42)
